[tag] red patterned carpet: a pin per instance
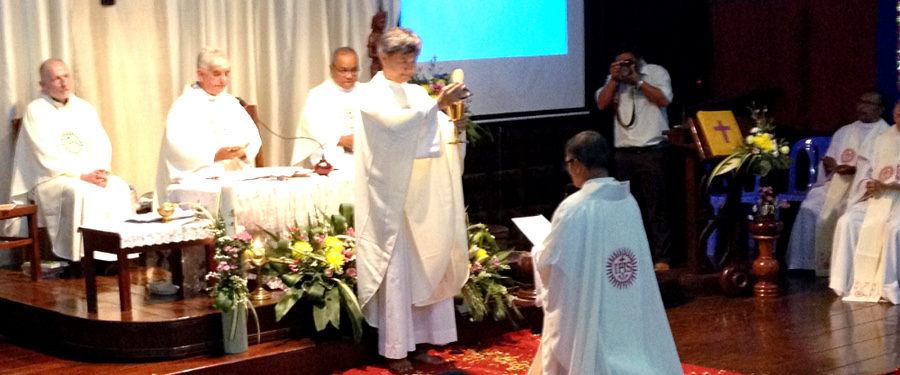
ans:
(509, 354)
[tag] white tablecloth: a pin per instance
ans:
(264, 198)
(155, 233)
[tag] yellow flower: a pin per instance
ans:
(764, 142)
(300, 249)
(333, 243)
(334, 258)
(480, 255)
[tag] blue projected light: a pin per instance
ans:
(478, 29)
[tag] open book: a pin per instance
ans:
(535, 228)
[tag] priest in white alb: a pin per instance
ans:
(864, 253)
(62, 163)
(410, 220)
(330, 116)
(207, 129)
(603, 313)
(812, 233)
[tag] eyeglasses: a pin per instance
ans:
(568, 161)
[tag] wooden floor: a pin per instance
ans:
(804, 331)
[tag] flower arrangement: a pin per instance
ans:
(317, 263)
(766, 206)
(761, 151)
(433, 83)
(230, 290)
(486, 289)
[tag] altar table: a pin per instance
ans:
(269, 198)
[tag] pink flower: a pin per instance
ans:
(231, 249)
(329, 272)
(784, 204)
(495, 261)
(351, 272)
(294, 229)
(476, 267)
(350, 232)
(348, 254)
(223, 267)
(243, 236)
(319, 239)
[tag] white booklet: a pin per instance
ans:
(535, 228)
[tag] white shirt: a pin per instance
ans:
(649, 120)
(329, 113)
(197, 126)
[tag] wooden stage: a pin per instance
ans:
(44, 328)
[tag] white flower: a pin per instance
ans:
(785, 149)
(749, 139)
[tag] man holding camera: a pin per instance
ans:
(639, 93)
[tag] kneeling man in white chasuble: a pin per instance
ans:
(864, 254)
(603, 313)
(207, 130)
(62, 163)
(410, 219)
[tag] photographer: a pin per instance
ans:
(639, 93)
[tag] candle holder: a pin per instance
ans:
(260, 293)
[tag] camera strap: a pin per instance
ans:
(630, 123)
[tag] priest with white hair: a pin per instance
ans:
(603, 313)
(62, 163)
(410, 219)
(207, 129)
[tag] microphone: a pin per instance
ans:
(322, 168)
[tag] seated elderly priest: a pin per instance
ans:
(62, 163)
(207, 130)
(603, 313)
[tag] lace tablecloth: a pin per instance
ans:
(268, 199)
(155, 233)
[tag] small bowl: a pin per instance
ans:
(162, 288)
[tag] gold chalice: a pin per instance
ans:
(166, 210)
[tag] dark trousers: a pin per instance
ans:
(645, 169)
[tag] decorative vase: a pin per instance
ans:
(234, 330)
(765, 230)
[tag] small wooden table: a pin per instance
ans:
(29, 211)
(110, 242)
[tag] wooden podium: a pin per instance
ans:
(703, 143)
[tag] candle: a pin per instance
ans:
(226, 209)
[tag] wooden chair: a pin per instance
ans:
(29, 212)
(251, 109)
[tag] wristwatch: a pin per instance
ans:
(639, 84)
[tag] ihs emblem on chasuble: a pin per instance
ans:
(885, 174)
(71, 142)
(848, 155)
(621, 268)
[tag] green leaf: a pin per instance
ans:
(339, 223)
(333, 307)
(351, 304)
(316, 293)
(729, 163)
(346, 210)
(290, 279)
(320, 317)
(287, 302)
